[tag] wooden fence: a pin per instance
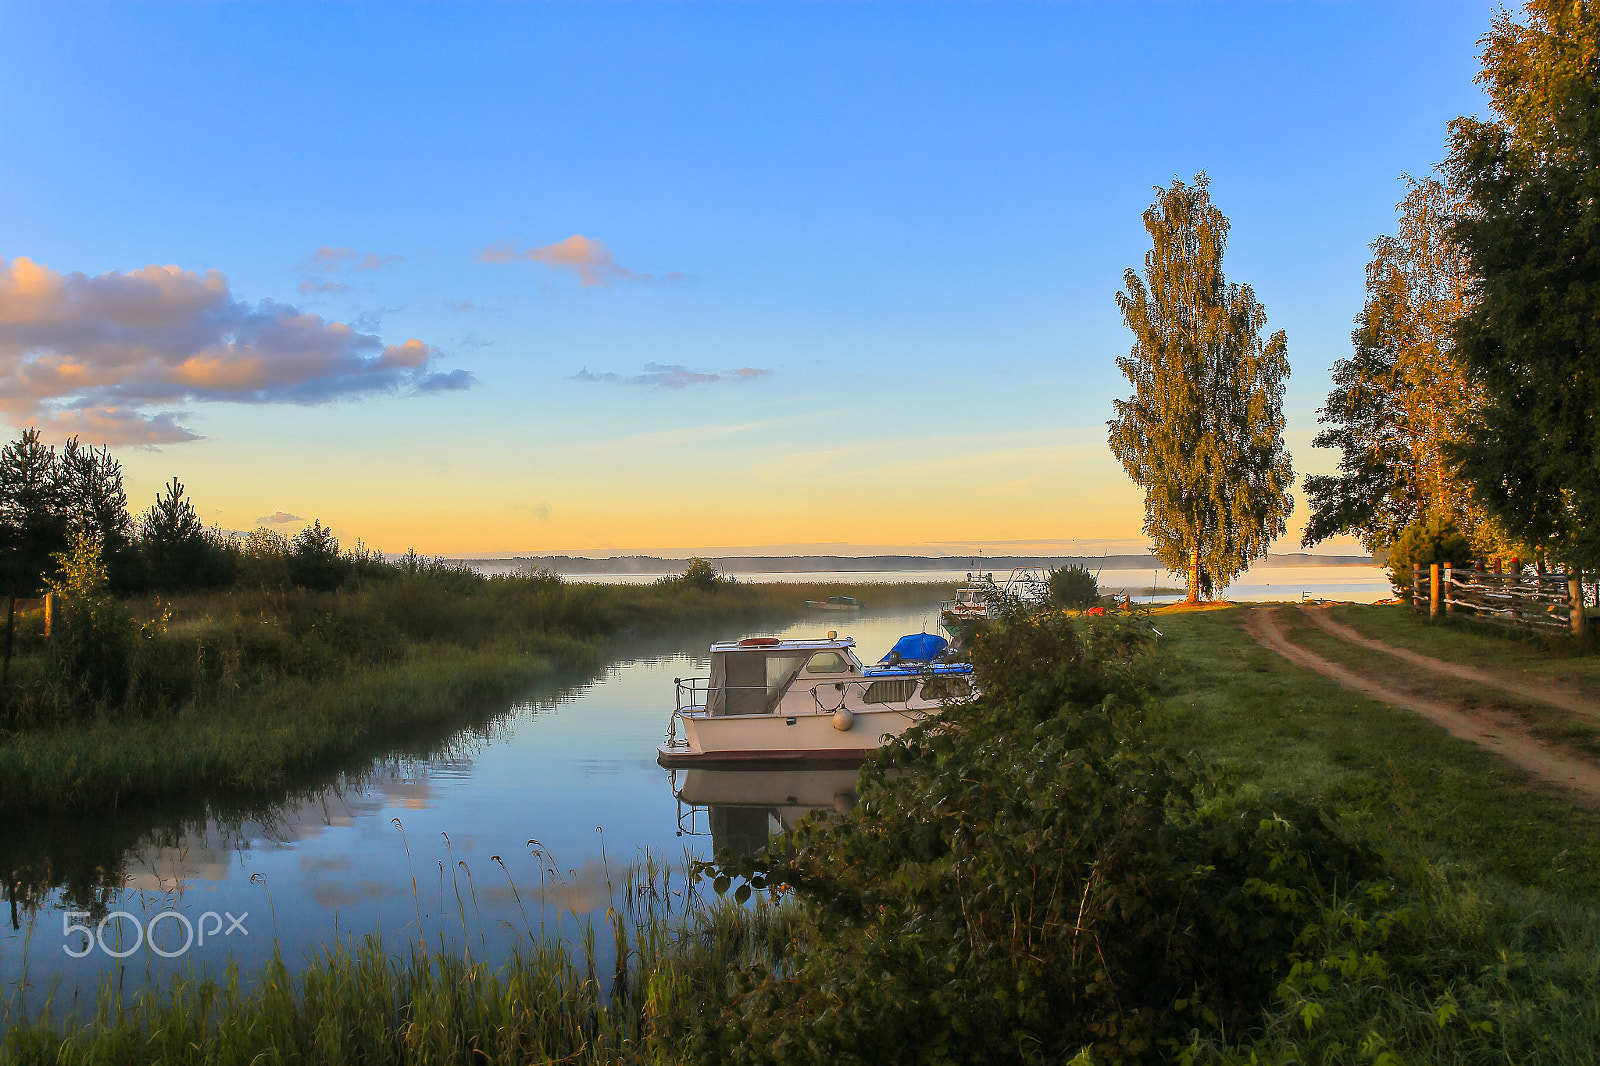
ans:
(1522, 596)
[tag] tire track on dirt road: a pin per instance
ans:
(1551, 694)
(1507, 739)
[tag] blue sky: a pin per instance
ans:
(904, 223)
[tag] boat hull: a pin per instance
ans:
(763, 739)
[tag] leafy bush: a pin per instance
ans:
(314, 560)
(1027, 877)
(90, 654)
(1074, 586)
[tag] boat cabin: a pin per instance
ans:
(765, 675)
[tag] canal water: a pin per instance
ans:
(522, 822)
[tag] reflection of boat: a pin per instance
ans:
(741, 809)
(769, 699)
(835, 603)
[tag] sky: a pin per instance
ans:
(604, 278)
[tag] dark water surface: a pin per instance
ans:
(403, 845)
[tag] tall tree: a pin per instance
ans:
(173, 540)
(92, 496)
(1203, 432)
(1531, 339)
(1402, 399)
(32, 525)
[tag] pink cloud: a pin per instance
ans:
(103, 355)
(587, 259)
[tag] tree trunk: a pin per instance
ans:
(5, 668)
(1194, 572)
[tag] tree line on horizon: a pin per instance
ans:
(1467, 417)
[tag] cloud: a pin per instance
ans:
(589, 260)
(328, 259)
(461, 305)
(673, 376)
(110, 356)
(278, 518)
(309, 287)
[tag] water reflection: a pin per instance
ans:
(499, 832)
(741, 810)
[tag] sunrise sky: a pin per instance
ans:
(665, 278)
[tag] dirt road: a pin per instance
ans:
(1539, 690)
(1499, 733)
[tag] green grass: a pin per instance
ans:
(1501, 896)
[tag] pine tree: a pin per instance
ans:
(1203, 432)
(32, 525)
(1531, 339)
(93, 497)
(173, 541)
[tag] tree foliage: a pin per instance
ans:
(1203, 432)
(314, 560)
(33, 522)
(177, 549)
(1402, 399)
(1531, 339)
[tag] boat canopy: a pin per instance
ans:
(917, 647)
(752, 681)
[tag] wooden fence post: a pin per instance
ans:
(1433, 590)
(52, 611)
(1575, 599)
(1445, 581)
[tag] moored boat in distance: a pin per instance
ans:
(960, 616)
(835, 603)
(770, 700)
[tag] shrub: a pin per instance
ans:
(314, 560)
(1074, 586)
(90, 655)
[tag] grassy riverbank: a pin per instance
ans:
(1386, 894)
(239, 691)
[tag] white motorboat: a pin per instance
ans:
(770, 700)
(962, 615)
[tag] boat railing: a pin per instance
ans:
(692, 693)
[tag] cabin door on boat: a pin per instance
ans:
(754, 681)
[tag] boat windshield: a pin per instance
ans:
(751, 682)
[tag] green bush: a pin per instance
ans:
(1029, 876)
(1074, 586)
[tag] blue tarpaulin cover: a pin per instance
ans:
(918, 647)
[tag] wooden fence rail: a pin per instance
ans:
(1517, 596)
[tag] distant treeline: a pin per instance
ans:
(811, 564)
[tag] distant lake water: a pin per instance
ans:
(1359, 584)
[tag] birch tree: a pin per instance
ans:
(1202, 433)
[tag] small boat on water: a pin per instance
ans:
(770, 700)
(960, 616)
(835, 603)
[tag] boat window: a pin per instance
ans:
(828, 662)
(751, 682)
(946, 688)
(897, 691)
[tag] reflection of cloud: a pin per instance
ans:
(278, 518)
(673, 376)
(92, 355)
(590, 261)
(333, 894)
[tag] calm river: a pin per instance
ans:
(571, 766)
